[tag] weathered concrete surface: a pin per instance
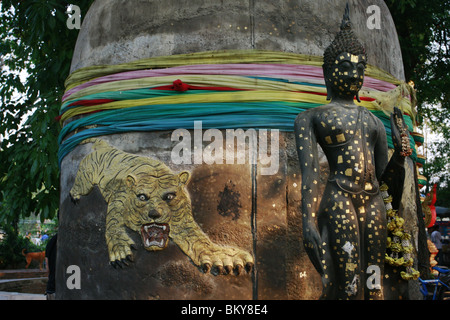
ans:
(117, 31)
(264, 215)
(167, 274)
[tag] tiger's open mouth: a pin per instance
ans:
(155, 236)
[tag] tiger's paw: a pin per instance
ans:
(226, 260)
(119, 249)
(74, 197)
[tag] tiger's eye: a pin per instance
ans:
(142, 197)
(169, 196)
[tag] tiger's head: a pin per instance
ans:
(155, 199)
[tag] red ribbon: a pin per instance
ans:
(180, 86)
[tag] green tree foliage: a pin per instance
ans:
(423, 28)
(424, 35)
(35, 52)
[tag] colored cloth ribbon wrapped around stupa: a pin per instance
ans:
(225, 90)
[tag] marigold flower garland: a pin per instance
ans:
(398, 248)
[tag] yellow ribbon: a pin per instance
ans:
(216, 97)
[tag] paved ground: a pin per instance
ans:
(20, 296)
(8, 276)
(35, 274)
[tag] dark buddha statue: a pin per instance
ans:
(344, 229)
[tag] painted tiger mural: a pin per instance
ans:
(144, 195)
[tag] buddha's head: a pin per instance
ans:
(344, 64)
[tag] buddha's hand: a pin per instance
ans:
(313, 246)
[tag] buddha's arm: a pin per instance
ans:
(309, 165)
